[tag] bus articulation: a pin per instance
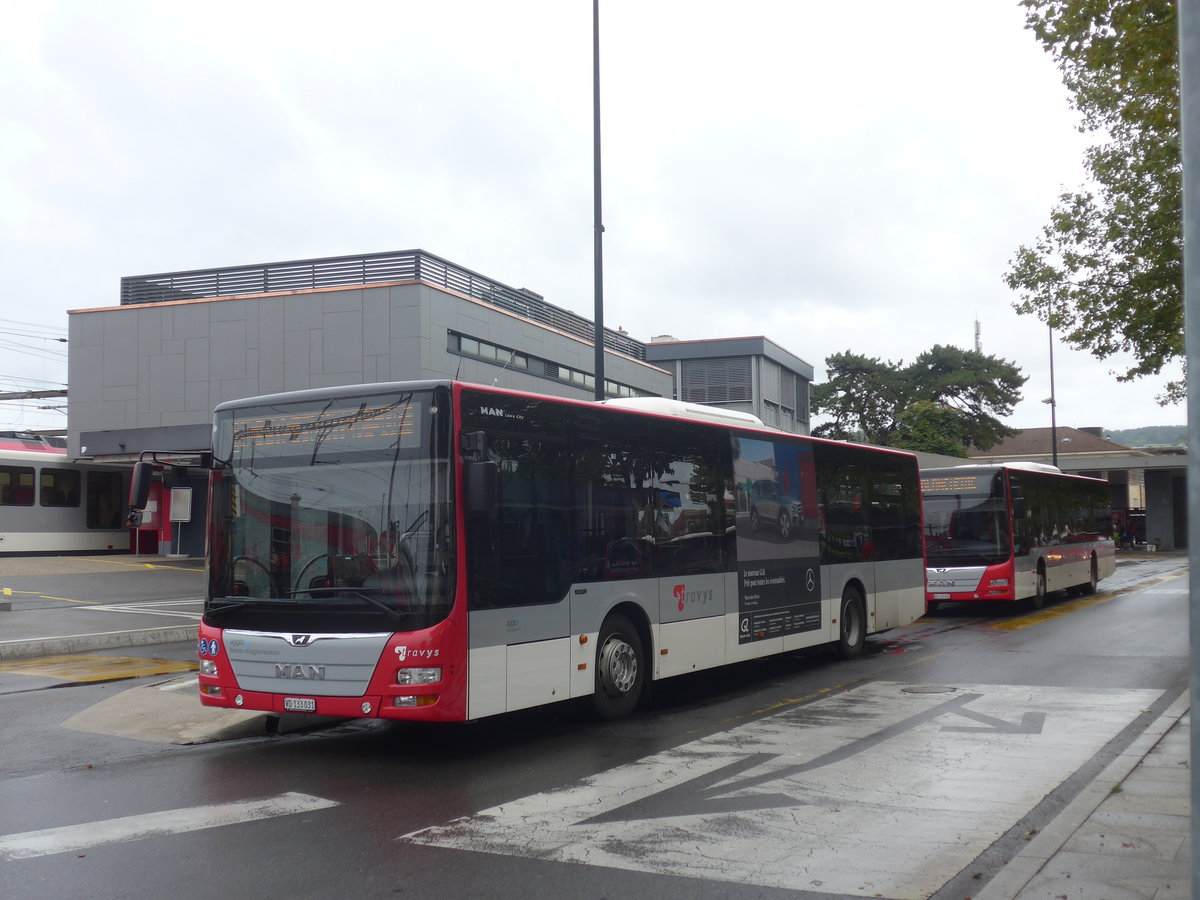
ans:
(441, 551)
(1014, 532)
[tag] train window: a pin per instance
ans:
(16, 486)
(59, 487)
(104, 499)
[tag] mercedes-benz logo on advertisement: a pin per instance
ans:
(300, 640)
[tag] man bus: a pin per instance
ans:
(1014, 532)
(441, 551)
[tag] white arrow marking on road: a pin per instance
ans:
(871, 792)
(710, 793)
(172, 821)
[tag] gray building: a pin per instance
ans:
(145, 375)
(749, 374)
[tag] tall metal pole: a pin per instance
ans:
(599, 225)
(1053, 404)
(1189, 127)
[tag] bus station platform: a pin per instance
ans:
(1125, 835)
(56, 605)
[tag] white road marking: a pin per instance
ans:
(154, 608)
(874, 792)
(173, 821)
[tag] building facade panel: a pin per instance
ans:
(176, 360)
(122, 346)
(227, 346)
(342, 343)
(167, 392)
(376, 323)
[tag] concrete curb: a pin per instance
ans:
(1022, 869)
(105, 640)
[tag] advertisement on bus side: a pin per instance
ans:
(779, 573)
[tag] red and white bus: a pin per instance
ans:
(441, 551)
(1013, 532)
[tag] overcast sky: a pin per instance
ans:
(833, 176)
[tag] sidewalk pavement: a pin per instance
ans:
(1126, 836)
(34, 625)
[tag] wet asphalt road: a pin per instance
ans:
(396, 810)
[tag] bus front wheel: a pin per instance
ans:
(852, 628)
(1038, 600)
(620, 669)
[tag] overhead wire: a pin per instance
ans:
(34, 340)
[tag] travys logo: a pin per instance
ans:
(684, 596)
(403, 653)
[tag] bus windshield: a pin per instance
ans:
(336, 518)
(968, 527)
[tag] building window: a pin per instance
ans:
(722, 380)
(493, 353)
(511, 359)
(770, 414)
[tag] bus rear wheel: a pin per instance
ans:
(852, 623)
(620, 669)
(1089, 587)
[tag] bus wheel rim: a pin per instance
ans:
(618, 667)
(853, 622)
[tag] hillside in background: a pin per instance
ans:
(1152, 436)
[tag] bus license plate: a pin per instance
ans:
(941, 596)
(299, 704)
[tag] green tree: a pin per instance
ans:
(862, 397)
(1107, 270)
(932, 428)
(962, 394)
(981, 389)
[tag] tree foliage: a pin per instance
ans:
(1107, 270)
(946, 397)
(932, 428)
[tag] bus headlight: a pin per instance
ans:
(419, 676)
(998, 582)
(208, 667)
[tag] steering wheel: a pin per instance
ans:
(261, 565)
(308, 565)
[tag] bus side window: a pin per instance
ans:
(517, 549)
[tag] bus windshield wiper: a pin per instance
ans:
(359, 593)
(221, 605)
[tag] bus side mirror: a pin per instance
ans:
(139, 486)
(1018, 508)
(479, 487)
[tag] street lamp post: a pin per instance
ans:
(598, 222)
(1053, 413)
